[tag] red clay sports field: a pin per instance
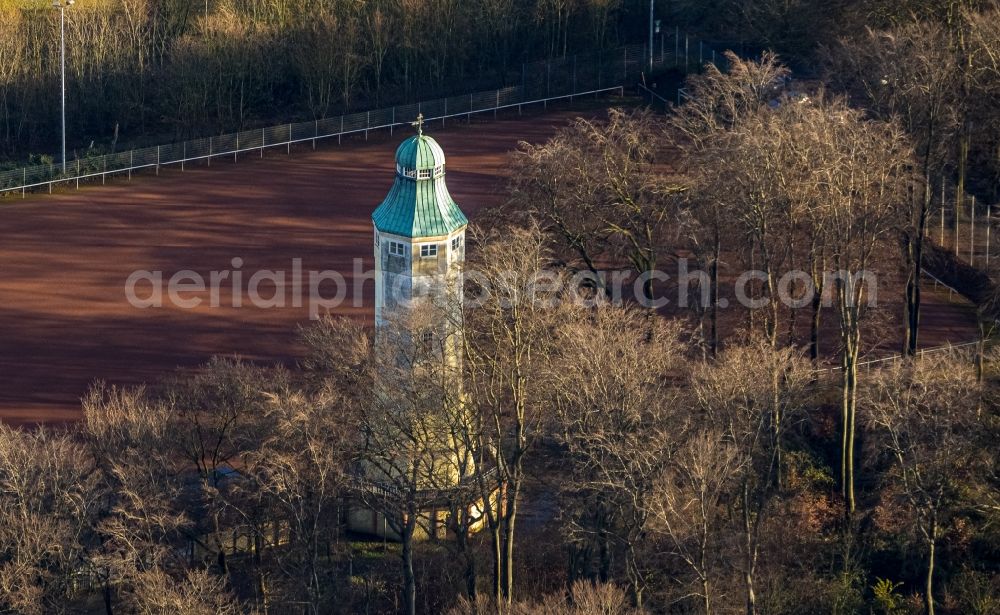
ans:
(64, 259)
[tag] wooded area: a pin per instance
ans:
(142, 71)
(676, 482)
(626, 460)
(165, 70)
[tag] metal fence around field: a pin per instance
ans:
(960, 347)
(280, 136)
(540, 83)
(870, 364)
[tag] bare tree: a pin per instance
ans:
(802, 186)
(12, 51)
(617, 417)
(982, 73)
(337, 351)
(553, 16)
(145, 65)
(688, 505)
(215, 412)
(507, 334)
(716, 104)
(925, 414)
(717, 101)
(758, 174)
(299, 476)
(380, 21)
(49, 497)
(584, 598)
(863, 174)
(909, 74)
(498, 20)
(599, 188)
(752, 395)
(418, 450)
(318, 54)
(127, 436)
(197, 592)
(601, 12)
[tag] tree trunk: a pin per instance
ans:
(462, 537)
(908, 291)
(817, 304)
(261, 583)
(749, 563)
(508, 542)
(714, 334)
(817, 268)
(849, 378)
(963, 156)
(516, 474)
(108, 610)
(470, 577)
(636, 580)
(648, 285)
(603, 553)
(497, 563)
(929, 587)
(913, 285)
(409, 579)
(980, 355)
(635, 577)
(852, 401)
(703, 560)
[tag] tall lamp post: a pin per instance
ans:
(652, 4)
(62, 5)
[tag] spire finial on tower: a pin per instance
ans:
(419, 124)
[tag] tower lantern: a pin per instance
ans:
(419, 230)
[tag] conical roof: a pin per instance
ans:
(419, 205)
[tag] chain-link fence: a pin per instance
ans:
(603, 71)
(962, 224)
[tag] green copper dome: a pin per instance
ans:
(418, 205)
(419, 152)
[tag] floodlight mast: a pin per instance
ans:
(652, 3)
(62, 5)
